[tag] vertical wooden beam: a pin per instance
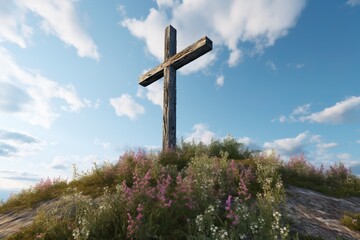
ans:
(169, 108)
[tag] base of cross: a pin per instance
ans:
(172, 62)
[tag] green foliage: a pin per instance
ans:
(351, 220)
(337, 181)
(217, 148)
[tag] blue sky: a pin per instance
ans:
(283, 75)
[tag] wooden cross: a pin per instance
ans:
(172, 62)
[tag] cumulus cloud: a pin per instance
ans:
(200, 133)
(58, 18)
(345, 111)
(28, 95)
(154, 93)
(18, 144)
(230, 23)
(353, 3)
(125, 105)
(220, 81)
(288, 146)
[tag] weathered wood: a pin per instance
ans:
(167, 69)
(169, 102)
(179, 60)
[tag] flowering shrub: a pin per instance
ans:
(336, 181)
(148, 196)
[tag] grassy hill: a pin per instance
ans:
(216, 191)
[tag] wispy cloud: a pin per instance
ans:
(200, 133)
(300, 65)
(301, 110)
(16, 175)
(353, 3)
(18, 144)
(28, 95)
(346, 111)
(125, 105)
(298, 111)
(271, 65)
(228, 23)
(58, 18)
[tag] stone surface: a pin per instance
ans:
(13, 221)
(315, 214)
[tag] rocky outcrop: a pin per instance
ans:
(314, 214)
(12, 222)
(310, 214)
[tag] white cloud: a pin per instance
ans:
(271, 65)
(154, 93)
(220, 81)
(288, 146)
(28, 95)
(15, 144)
(235, 57)
(13, 27)
(166, 3)
(325, 146)
(248, 142)
(346, 111)
(200, 133)
(281, 119)
(353, 3)
(228, 23)
(342, 112)
(57, 17)
(125, 105)
(301, 110)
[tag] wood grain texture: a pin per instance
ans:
(177, 61)
(169, 104)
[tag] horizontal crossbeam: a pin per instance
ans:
(177, 61)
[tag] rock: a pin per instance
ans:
(315, 214)
(12, 222)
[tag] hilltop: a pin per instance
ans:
(217, 191)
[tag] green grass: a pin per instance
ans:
(351, 220)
